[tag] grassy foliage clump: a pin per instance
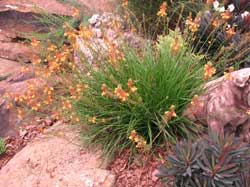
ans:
(2, 146)
(140, 100)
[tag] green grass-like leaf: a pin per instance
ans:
(161, 79)
(2, 146)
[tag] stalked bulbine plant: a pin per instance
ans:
(221, 26)
(137, 100)
(155, 16)
(210, 162)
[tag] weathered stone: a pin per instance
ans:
(51, 6)
(6, 127)
(224, 106)
(97, 46)
(16, 25)
(56, 159)
(16, 51)
(99, 5)
(8, 68)
(94, 19)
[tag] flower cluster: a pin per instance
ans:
(163, 10)
(209, 70)
(175, 46)
(196, 104)
(75, 13)
(131, 86)
(138, 140)
(35, 43)
(119, 92)
(115, 55)
(76, 91)
(168, 115)
(193, 25)
(125, 3)
(228, 75)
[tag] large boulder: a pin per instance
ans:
(51, 6)
(56, 159)
(225, 104)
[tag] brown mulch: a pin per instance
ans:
(140, 172)
(26, 134)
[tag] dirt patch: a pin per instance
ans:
(139, 173)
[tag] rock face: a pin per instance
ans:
(51, 6)
(106, 27)
(54, 7)
(18, 18)
(225, 105)
(56, 159)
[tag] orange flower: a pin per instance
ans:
(248, 112)
(9, 106)
(75, 92)
(216, 23)
(114, 53)
(226, 15)
(35, 42)
(137, 139)
(75, 13)
(19, 114)
(36, 106)
(168, 115)
(24, 69)
(92, 119)
(163, 10)
(36, 60)
(194, 100)
(228, 75)
(125, 3)
(48, 90)
(230, 33)
(85, 32)
(121, 94)
(132, 135)
(209, 70)
(193, 25)
(104, 89)
(209, 2)
(175, 46)
(66, 105)
(51, 48)
(131, 86)
(196, 103)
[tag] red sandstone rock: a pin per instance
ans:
(56, 159)
(16, 51)
(51, 6)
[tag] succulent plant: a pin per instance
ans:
(209, 162)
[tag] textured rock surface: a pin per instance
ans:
(224, 106)
(51, 6)
(106, 27)
(99, 5)
(56, 159)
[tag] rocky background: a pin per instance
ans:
(55, 157)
